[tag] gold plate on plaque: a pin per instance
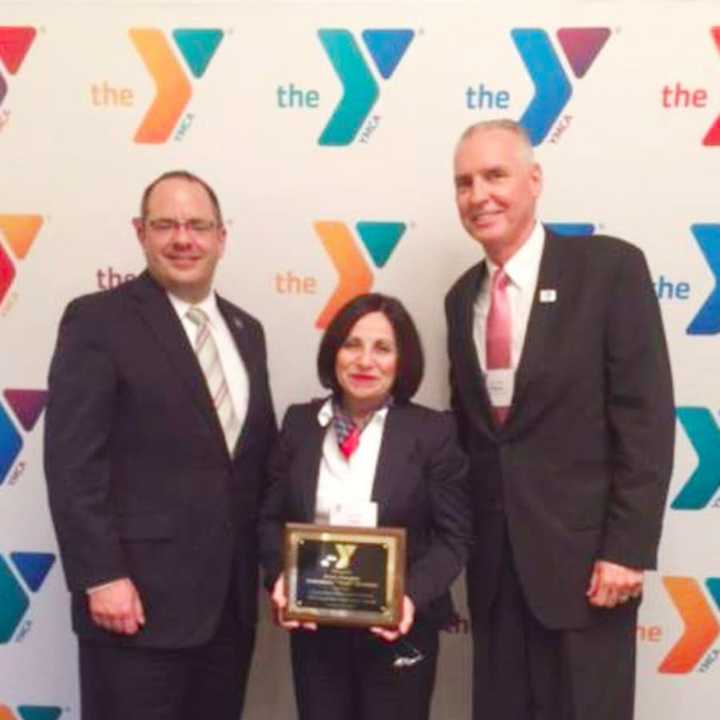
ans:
(337, 575)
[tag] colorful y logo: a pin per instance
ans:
(173, 89)
(707, 321)
(701, 625)
(31, 712)
(27, 406)
(379, 239)
(360, 90)
(713, 134)
(552, 87)
(572, 229)
(32, 569)
(20, 232)
(14, 45)
(704, 483)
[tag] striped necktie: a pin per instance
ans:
(209, 359)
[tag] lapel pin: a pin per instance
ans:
(548, 295)
(238, 323)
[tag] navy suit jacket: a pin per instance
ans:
(420, 484)
(141, 483)
(580, 469)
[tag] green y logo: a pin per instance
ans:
(360, 90)
(704, 434)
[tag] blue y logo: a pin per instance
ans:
(552, 87)
(704, 434)
(31, 712)
(33, 568)
(572, 229)
(707, 321)
(360, 90)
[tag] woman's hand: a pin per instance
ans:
(403, 628)
(278, 599)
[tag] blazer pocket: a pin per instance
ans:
(155, 526)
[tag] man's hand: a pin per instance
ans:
(117, 607)
(612, 584)
(278, 599)
(403, 628)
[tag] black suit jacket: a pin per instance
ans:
(140, 480)
(580, 469)
(420, 484)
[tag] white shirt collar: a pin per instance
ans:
(522, 267)
(325, 414)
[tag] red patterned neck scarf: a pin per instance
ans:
(347, 431)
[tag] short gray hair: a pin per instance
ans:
(511, 126)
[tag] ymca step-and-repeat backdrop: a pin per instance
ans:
(328, 131)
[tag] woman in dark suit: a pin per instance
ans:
(368, 456)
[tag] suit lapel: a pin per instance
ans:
(156, 310)
(467, 345)
(307, 465)
(395, 449)
(541, 323)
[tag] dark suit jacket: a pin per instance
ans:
(420, 484)
(581, 467)
(140, 480)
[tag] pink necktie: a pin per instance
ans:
(498, 332)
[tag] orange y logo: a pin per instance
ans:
(355, 277)
(701, 625)
(19, 232)
(172, 87)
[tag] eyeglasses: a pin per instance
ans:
(194, 226)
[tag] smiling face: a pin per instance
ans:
(497, 185)
(366, 363)
(182, 238)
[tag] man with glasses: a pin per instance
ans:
(158, 424)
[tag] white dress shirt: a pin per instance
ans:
(522, 270)
(347, 484)
(233, 367)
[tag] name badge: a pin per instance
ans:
(354, 514)
(500, 384)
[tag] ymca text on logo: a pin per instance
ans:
(26, 406)
(360, 89)
(553, 89)
(172, 87)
